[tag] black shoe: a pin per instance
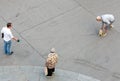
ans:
(11, 53)
(49, 74)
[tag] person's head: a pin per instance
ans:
(9, 25)
(98, 18)
(52, 50)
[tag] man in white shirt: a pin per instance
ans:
(7, 36)
(107, 20)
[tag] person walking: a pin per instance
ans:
(107, 21)
(51, 62)
(7, 36)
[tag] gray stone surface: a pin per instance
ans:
(70, 27)
(35, 73)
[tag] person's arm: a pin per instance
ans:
(15, 38)
(103, 26)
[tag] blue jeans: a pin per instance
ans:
(7, 47)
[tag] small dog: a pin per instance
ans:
(100, 32)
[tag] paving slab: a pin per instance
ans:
(40, 10)
(35, 73)
(70, 27)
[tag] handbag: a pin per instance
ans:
(45, 71)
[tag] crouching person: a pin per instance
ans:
(51, 62)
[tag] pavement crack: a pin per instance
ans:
(116, 75)
(85, 8)
(91, 65)
(34, 26)
(31, 46)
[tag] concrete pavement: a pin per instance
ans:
(70, 27)
(35, 73)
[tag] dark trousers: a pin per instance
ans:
(50, 71)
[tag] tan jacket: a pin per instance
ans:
(51, 60)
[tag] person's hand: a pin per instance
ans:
(18, 40)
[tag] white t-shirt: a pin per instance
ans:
(107, 18)
(7, 34)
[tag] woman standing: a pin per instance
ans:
(51, 61)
